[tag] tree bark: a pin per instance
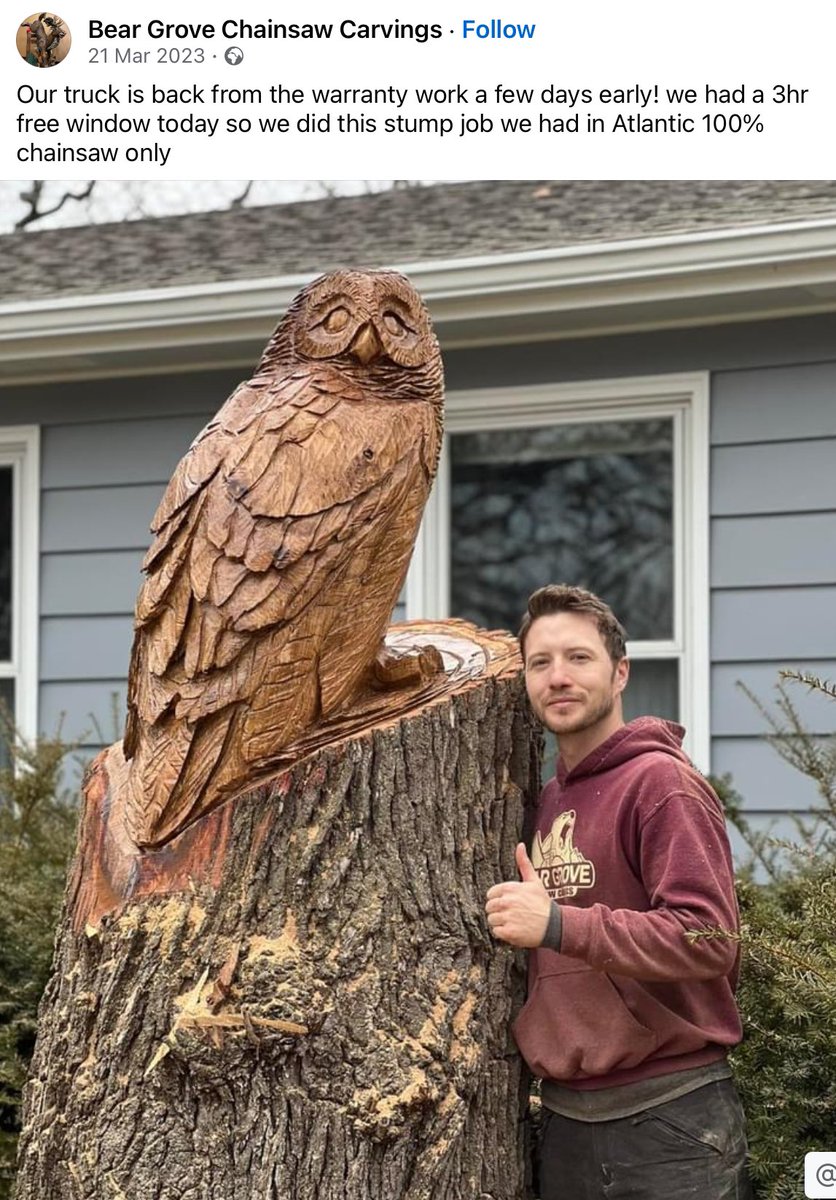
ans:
(298, 998)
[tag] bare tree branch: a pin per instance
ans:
(33, 199)
(239, 200)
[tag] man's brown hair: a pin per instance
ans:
(559, 598)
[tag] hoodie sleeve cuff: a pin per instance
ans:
(554, 930)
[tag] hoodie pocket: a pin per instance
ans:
(576, 1024)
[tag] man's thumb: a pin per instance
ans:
(526, 870)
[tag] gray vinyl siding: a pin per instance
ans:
(66, 581)
(81, 649)
(101, 518)
(101, 483)
(86, 455)
(91, 714)
(772, 624)
(775, 405)
(773, 571)
(774, 551)
(772, 477)
(108, 448)
(738, 717)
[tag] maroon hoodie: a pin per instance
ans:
(632, 844)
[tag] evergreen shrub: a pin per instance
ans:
(786, 1065)
(37, 837)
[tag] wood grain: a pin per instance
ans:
(302, 1000)
(281, 546)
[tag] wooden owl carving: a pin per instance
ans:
(282, 543)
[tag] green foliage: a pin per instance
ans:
(37, 834)
(786, 1065)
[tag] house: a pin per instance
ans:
(641, 397)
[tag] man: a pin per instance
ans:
(628, 1020)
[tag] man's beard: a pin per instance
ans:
(586, 720)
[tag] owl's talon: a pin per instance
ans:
(394, 668)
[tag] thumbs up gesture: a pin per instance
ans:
(518, 913)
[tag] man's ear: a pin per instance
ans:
(621, 674)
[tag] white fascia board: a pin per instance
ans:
(688, 259)
(644, 283)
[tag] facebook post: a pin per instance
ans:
(637, 89)
(416, 663)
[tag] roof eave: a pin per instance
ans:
(576, 291)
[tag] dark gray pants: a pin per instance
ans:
(691, 1148)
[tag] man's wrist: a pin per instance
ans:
(554, 930)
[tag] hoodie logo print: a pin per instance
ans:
(561, 866)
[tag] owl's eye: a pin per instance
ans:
(336, 320)
(394, 324)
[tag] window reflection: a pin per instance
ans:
(652, 689)
(588, 503)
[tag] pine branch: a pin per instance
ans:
(811, 681)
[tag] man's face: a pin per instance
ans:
(572, 682)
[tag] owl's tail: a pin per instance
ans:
(174, 774)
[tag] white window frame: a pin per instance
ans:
(20, 448)
(685, 399)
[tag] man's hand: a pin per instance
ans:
(519, 912)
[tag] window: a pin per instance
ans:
(601, 484)
(19, 455)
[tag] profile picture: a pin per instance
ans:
(43, 39)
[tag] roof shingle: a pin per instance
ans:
(446, 221)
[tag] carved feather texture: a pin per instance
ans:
(281, 545)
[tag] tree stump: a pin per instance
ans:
(298, 997)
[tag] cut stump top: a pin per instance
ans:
(110, 870)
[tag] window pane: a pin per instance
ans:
(588, 504)
(6, 563)
(653, 689)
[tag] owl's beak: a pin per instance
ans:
(366, 346)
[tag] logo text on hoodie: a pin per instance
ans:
(559, 863)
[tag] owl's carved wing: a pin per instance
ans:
(269, 507)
